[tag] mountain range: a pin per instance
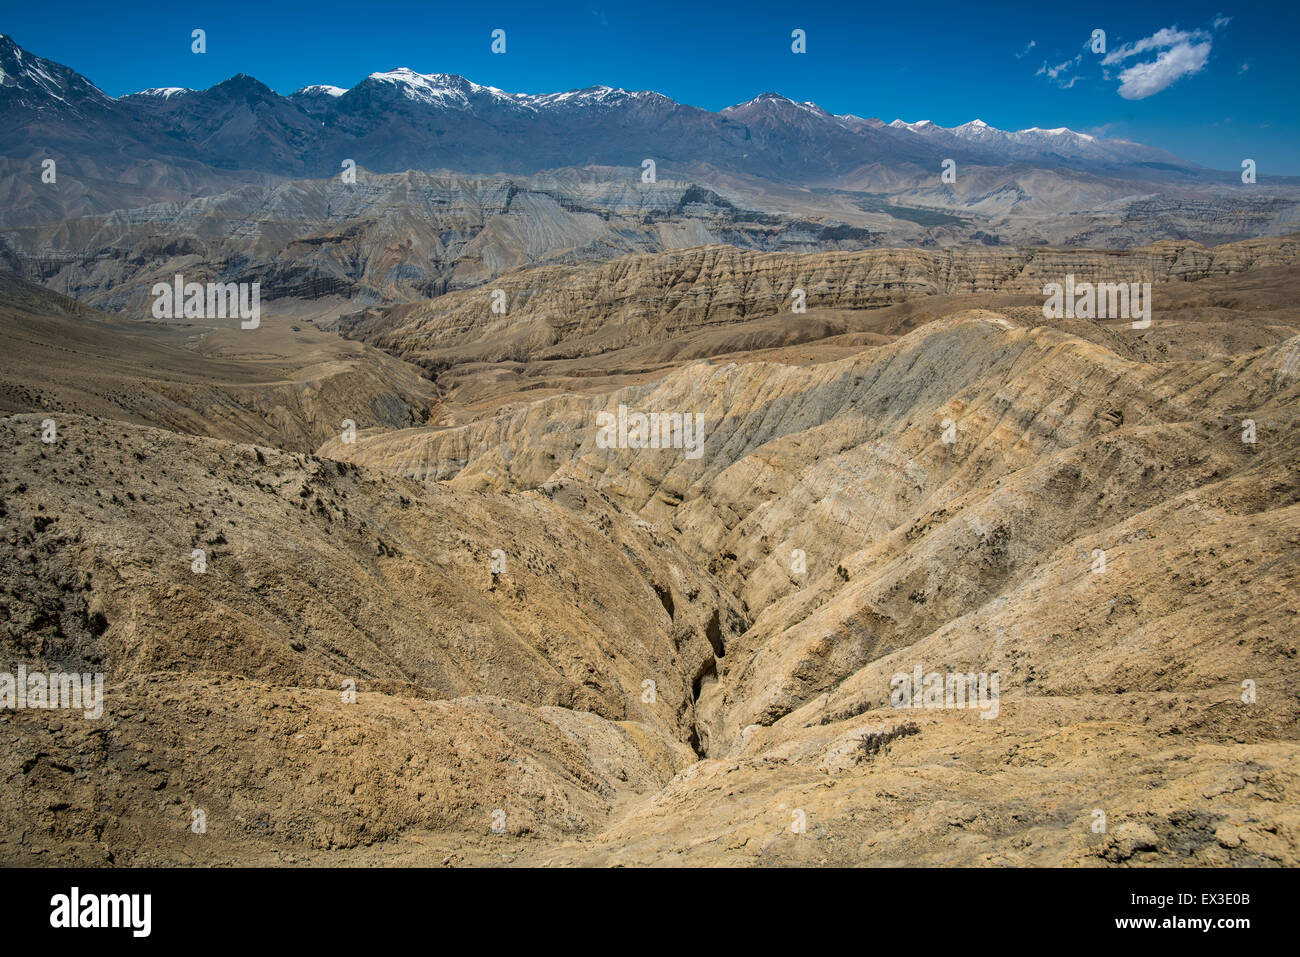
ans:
(401, 119)
(458, 182)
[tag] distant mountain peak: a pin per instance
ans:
(978, 126)
(43, 84)
(405, 76)
(435, 89)
(162, 92)
(452, 90)
(1062, 131)
(779, 105)
(321, 89)
(602, 95)
(769, 97)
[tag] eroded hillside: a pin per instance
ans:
(290, 386)
(946, 482)
(580, 311)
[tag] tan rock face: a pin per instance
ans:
(1043, 469)
(566, 311)
(1105, 520)
(304, 770)
(317, 572)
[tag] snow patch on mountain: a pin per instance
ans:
(32, 75)
(438, 89)
(163, 92)
(321, 89)
(591, 96)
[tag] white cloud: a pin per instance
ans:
(1182, 53)
(1054, 72)
(1167, 38)
(1025, 51)
(1147, 79)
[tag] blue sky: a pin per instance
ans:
(1213, 82)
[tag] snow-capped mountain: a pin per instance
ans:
(321, 89)
(402, 119)
(165, 92)
(439, 90)
(31, 83)
(448, 91)
(1035, 142)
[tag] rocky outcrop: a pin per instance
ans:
(575, 311)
